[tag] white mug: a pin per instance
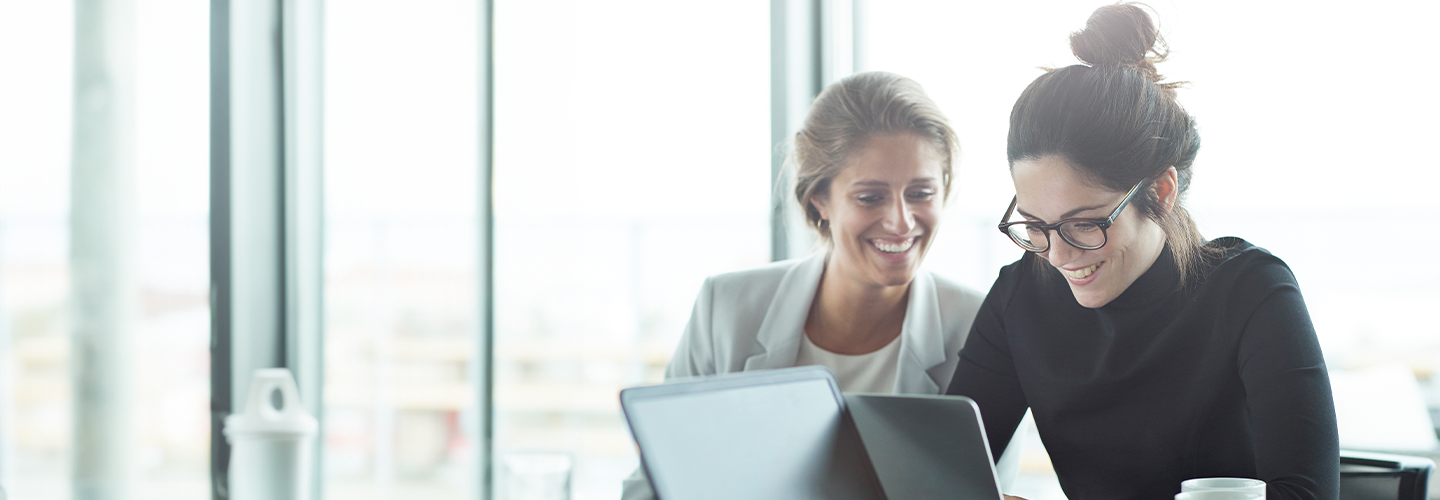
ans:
(1236, 487)
(1217, 495)
(536, 476)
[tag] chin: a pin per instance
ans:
(895, 277)
(1091, 300)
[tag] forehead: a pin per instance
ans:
(1050, 187)
(892, 158)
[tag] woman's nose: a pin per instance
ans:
(1060, 251)
(900, 218)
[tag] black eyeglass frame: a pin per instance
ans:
(1103, 224)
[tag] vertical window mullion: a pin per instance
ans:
(302, 102)
(265, 205)
(798, 67)
(483, 371)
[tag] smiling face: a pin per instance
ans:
(883, 209)
(1048, 190)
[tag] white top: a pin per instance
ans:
(869, 372)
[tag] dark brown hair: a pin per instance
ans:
(851, 111)
(1116, 122)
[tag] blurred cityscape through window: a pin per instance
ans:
(632, 160)
(401, 129)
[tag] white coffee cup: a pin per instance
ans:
(1237, 487)
(536, 476)
(1217, 495)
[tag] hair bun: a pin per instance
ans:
(1120, 35)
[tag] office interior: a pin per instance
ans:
(465, 225)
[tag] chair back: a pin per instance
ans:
(1382, 476)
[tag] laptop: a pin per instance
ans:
(926, 446)
(790, 434)
(760, 435)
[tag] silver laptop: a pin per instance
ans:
(790, 434)
(926, 447)
(761, 435)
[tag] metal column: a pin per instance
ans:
(102, 214)
(483, 374)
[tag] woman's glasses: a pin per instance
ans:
(1085, 234)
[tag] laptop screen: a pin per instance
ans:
(758, 435)
(926, 447)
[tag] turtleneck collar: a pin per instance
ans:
(1158, 283)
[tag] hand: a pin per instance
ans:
(1013, 497)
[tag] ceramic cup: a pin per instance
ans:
(1217, 495)
(536, 476)
(1237, 487)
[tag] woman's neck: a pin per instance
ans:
(851, 317)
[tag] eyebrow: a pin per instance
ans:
(1063, 216)
(884, 184)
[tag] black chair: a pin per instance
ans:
(1382, 476)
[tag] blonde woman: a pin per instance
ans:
(873, 166)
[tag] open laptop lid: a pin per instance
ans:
(761, 435)
(926, 447)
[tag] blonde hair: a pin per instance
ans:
(846, 115)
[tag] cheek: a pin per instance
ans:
(929, 215)
(1131, 236)
(854, 220)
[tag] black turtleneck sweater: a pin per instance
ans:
(1163, 384)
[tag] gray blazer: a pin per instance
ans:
(753, 320)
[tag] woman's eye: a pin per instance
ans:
(1084, 227)
(921, 195)
(1033, 230)
(869, 199)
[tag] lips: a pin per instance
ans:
(894, 247)
(1082, 276)
(1081, 273)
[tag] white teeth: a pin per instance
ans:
(1080, 273)
(894, 247)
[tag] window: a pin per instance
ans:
(162, 407)
(632, 160)
(400, 256)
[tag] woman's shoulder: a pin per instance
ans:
(766, 276)
(956, 305)
(1230, 255)
(1243, 271)
(953, 295)
(755, 287)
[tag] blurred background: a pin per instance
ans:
(632, 155)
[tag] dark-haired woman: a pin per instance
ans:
(1147, 354)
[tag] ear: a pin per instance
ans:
(1167, 188)
(821, 205)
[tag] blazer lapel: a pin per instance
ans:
(784, 322)
(922, 346)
